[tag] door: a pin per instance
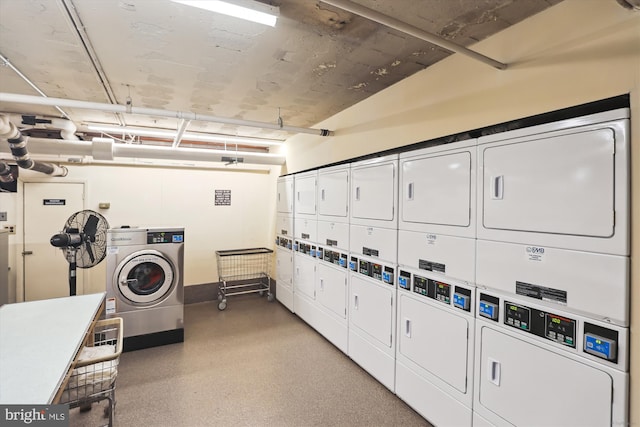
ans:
(557, 185)
(284, 266)
(527, 385)
(371, 309)
(304, 277)
(305, 190)
(333, 193)
(424, 328)
(332, 289)
(373, 192)
(285, 195)
(145, 277)
(47, 207)
(437, 190)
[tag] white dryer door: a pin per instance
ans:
(145, 277)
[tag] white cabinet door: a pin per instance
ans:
(437, 189)
(527, 385)
(284, 225)
(434, 339)
(557, 185)
(333, 194)
(306, 229)
(305, 190)
(304, 276)
(333, 233)
(371, 308)
(285, 195)
(284, 265)
(373, 192)
(332, 289)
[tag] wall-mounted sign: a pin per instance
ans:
(54, 202)
(223, 197)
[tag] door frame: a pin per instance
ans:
(19, 247)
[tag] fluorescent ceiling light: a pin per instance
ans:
(244, 9)
(188, 136)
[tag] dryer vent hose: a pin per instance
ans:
(18, 146)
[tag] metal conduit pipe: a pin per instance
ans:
(18, 147)
(5, 173)
(403, 27)
(107, 150)
(116, 108)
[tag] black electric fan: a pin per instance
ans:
(84, 242)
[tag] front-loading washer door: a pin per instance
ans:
(145, 277)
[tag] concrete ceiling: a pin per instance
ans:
(316, 62)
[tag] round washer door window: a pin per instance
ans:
(146, 277)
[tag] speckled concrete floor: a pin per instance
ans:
(255, 364)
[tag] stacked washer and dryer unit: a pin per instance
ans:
(552, 307)
(436, 282)
(284, 242)
(372, 264)
(145, 284)
(487, 281)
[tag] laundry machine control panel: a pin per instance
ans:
(305, 248)
(333, 257)
(544, 324)
(284, 242)
(450, 294)
(377, 271)
(154, 237)
(594, 339)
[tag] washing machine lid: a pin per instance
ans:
(145, 277)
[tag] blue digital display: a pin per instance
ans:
(599, 346)
(402, 282)
(460, 301)
(353, 266)
(343, 262)
(489, 310)
(386, 277)
(177, 238)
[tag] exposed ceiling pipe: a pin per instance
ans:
(630, 4)
(117, 108)
(76, 23)
(5, 173)
(18, 147)
(403, 27)
(105, 149)
(66, 127)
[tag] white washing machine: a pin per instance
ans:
(372, 317)
(540, 366)
(145, 284)
(332, 291)
(435, 346)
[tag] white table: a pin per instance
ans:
(39, 341)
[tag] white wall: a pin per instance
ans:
(151, 196)
(572, 53)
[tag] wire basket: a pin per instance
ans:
(243, 271)
(93, 378)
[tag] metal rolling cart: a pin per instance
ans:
(94, 376)
(243, 271)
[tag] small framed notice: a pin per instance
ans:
(222, 197)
